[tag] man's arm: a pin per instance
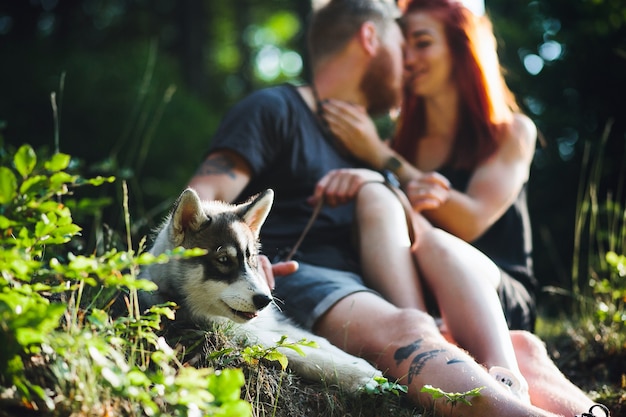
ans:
(223, 175)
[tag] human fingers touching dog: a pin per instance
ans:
(271, 271)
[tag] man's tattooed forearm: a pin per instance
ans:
(406, 351)
(420, 361)
(218, 164)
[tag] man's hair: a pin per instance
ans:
(333, 25)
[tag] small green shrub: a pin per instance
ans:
(62, 350)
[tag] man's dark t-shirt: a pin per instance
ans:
(288, 150)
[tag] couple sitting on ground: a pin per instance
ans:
(315, 142)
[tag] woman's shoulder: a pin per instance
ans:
(523, 128)
(519, 130)
(518, 137)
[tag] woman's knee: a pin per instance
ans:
(435, 243)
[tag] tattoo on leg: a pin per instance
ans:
(219, 164)
(453, 361)
(420, 361)
(406, 351)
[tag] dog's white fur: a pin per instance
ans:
(242, 299)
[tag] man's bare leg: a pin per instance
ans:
(406, 344)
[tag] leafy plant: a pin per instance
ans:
(60, 348)
(379, 385)
(252, 354)
(452, 398)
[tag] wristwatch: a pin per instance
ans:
(392, 164)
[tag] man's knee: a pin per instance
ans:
(411, 324)
(375, 198)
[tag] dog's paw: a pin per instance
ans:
(358, 376)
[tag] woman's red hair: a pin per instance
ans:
(485, 102)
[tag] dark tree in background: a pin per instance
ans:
(141, 85)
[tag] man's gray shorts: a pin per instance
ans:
(312, 290)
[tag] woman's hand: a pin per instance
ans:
(342, 185)
(428, 191)
(355, 130)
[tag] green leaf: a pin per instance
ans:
(58, 179)
(97, 181)
(6, 223)
(137, 378)
(58, 162)
(25, 160)
(281, 358)
(98, 317)
(452, 397)
(35, 184)
(379, 385)
(226, 385)
(8, 185)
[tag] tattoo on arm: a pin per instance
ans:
(219, 164)
(420, 361)
(404, 352)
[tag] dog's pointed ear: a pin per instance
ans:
(187, 215)
(255, 211)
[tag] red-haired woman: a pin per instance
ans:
(462, 153)
(462, 150)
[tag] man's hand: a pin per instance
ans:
(279, 269)
(341, 186)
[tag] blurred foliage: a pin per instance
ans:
(141, 85)
(580, 48)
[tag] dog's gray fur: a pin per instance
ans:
(225, 284)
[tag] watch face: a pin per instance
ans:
(392, 164)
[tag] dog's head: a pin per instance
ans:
(226, 281)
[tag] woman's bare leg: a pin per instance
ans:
(462, 279)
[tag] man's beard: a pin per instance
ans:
(377, 85)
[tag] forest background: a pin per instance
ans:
(139, 87)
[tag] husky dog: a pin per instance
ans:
(225, 284)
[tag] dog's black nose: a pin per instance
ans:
(261, 300)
